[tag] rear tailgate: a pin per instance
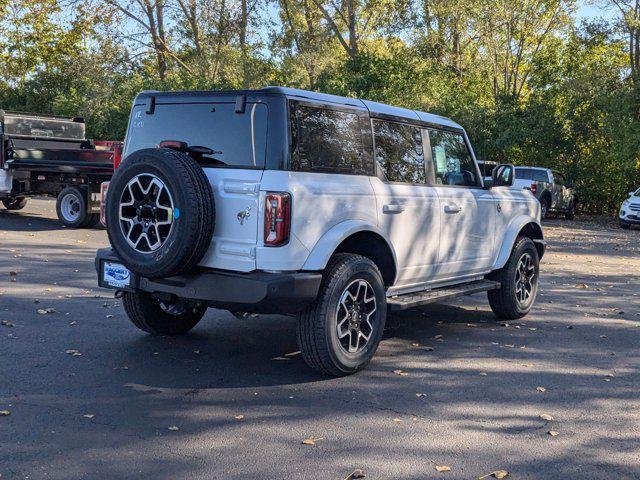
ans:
(235, 235)
(238, 138)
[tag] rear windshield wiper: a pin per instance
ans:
(197, 152)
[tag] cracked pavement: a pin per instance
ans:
(107, 412)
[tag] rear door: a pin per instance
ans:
(239, 140)
(408, 208)
(467, 209)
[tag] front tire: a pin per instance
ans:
(340, 332)
(154, 316)
(518, 282)
(14, 203)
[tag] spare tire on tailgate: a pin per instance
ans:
(160, 212)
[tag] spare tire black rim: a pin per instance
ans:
(146, 213)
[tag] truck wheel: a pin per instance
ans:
(571, 211)
(71, 207)
(162, 318)
(160, 212)
(339, 333)
(518, 282)
(544, 207)
(14, 203)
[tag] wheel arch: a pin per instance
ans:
(522, 225)
(359, 238)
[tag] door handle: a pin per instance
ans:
(392, 208)
(452, 209)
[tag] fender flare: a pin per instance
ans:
(508, 240)
(324, 248)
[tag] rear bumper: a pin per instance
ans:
(259, 292)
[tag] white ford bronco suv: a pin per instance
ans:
(333, 209)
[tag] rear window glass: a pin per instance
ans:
(524, 174)
(325, 140)
(241, 137)
(540, 176)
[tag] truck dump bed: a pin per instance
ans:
(49, 144)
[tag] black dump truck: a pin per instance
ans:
(44, 155)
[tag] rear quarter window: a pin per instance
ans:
(241, 137)
(328, 140)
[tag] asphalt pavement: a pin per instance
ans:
(85, 395)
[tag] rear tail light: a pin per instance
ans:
(103, 202)
(534, 188)
(277, 218)
(117, 156)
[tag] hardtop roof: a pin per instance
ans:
(374, 108)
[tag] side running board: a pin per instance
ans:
(411, 300)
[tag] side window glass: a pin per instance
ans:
(452, 161)
(399, 152)
(327, 140)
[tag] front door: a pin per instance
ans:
(408, 209)
(467, 210)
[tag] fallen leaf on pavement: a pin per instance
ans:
(5, 413)
(546, 416)
(401, 373)
(7, 323)
(541, 389)
(311, 440)
(357, 473)
(496, 474)
(45, 311)
(397, 420)
(239, 417)
(73, 351)
(443, 468)
(582, 286)
(173, 428)
(421, 394)
(88, 415)
(553, 433)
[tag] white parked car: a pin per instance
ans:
(630, 210)
(330, 208)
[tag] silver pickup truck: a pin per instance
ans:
(550, 187)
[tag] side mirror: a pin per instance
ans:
(503, 175)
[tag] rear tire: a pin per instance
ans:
(340, 332)
(153, 316)
(14, 203)
(72, 208)
(571, 211)
(518, 282)
(544, 207)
